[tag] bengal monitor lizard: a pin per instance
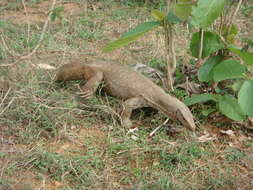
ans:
(122, 82)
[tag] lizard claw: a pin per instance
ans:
(86, 94)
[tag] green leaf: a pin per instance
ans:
(247, 57)
(183, 9)
(121, 42)
(206, 112)
(245, 97)
(143, 27)
(158, 15)
(131, 36)
(172, 18)
(211, 44)
(205, 72)
(206, 11)
(229, 106)
(228, 69)
(200, 98)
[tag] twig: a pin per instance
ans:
(42, 33)
(12, 100)
(5, 65)
(2, 101)
(28, 25)
(172, 48)
(159, 127)
(6, 94)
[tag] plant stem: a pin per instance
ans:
(230, 22)
(201, 46)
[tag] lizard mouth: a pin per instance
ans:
(187, 122)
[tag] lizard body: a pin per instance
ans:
(122, 82)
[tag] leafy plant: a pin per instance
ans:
(215, 42)
(221, 67)
(166, 22)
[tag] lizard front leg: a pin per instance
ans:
(90, 87)
(128, 106)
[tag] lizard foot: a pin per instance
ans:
(87, 94)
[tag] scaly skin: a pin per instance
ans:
(120, 81)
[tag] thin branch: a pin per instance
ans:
(43, 32)
(159, 127)
(5, 96)
(9, 104)
(172, 49)
(28, 25)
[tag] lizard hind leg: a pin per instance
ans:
(128, 106)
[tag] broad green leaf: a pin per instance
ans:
(205, 72)
(228, 69)
(247, 57)
(206, 11)
(200, 98)
(121, 42)
(158, 15)
(182, 9)
(245, 97)
(206, 112)
(229, 106)
(211, 44)
(131, 36)
(172, 18)
(143, 27)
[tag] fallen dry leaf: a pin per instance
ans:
(228, 132)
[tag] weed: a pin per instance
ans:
(173, 161)
(220, 181)
(234, 155)
(76, 169)
(157, 63)
(117, 148)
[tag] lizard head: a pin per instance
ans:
(184, 115)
